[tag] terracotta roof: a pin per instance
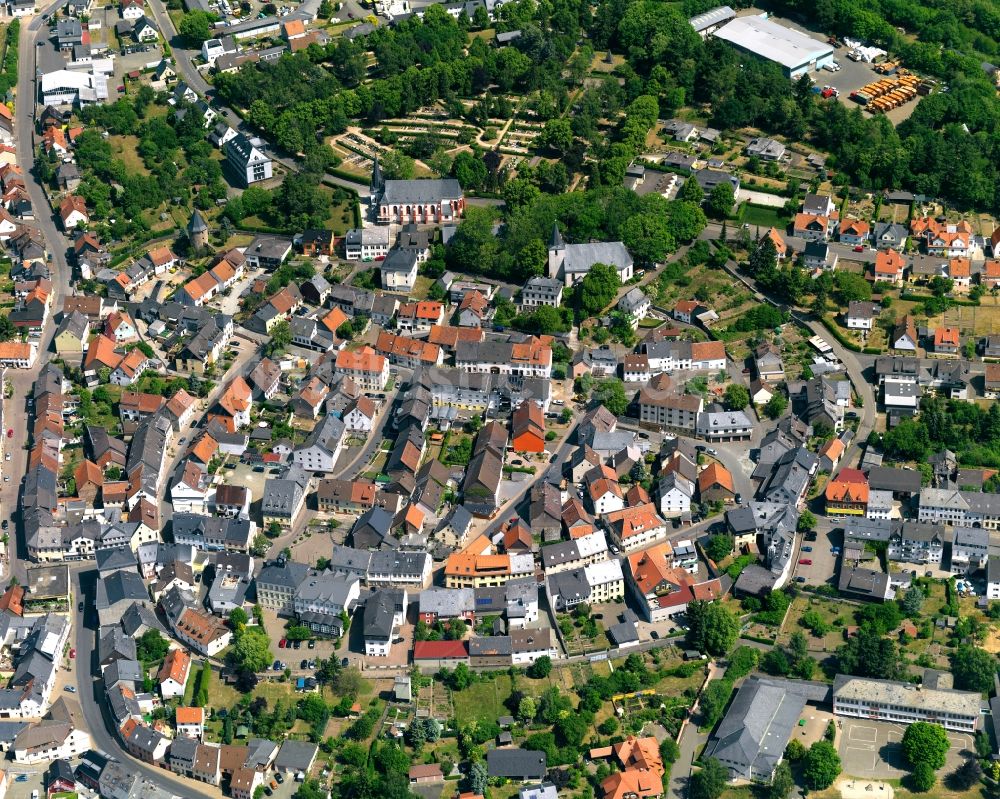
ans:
(959, 267)
(405, 347)
(190, 715)
(686, 306)
(779, 243)
(833, 449)
(237, 397)
(889, 262)
(204, 448)
(333, 320)
(635, 520)
(850, 485)
(528, 418)
(200, 286)
(101, 352)
(15, 350)
(284, 301)
(708, 350)
(13, 600)
(141, 402)
(72, 203)
(803, 221)
(854, 227)
(947, 335)
(161, 256)
(424, 309)
(176, 666)
(88, 473)
(360, 360)
(448, 336)
(131, 363)
(432, 650)
(715, 474)
(991, 268)
(180, 403)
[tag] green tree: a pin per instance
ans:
(252, 650)
(557, 135)
(795, 751)
(691, 191)
(597, 289)
(973, 668)
(719, 547)
(526, 709)
(924, 742)
(720, 200)
(775, 406)
(151, 647)
(713, 701)
(281, 337)
(822, 766)
(712, 627)
(737, 397)
(611, 394)
(260, 545)
(709, 781)
(806, 522)
(923, 778)
(541, 668)
(782, 782)
(196, 27)
(913, 601)
(238, 618)
(763, 258)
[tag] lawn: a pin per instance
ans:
(485, 699)
(763, 216)
(126, 148)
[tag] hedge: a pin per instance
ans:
(835, 331)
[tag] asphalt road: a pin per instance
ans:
(90, 691)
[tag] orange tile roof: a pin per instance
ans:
(779, 243)
(448, 336)
(72, 203)
(223, 271)
(132, 362)
(237, 397)
(833, 449)
(101, 352)
(333, 320)
(15, 351)
(414, 517)
(715, 474)
(180, 403)
(634, 520)
(161, 256)
(959, 267)
(200, 286)
(889, 262)
(141, 402)
(991, 268)
(284, 301)
(176, 666)
(13, 600)
(855, 227)
(850, 485)
(190, 715)
(294, 28)
(204, 448)
(424, 309)
(708, 350)
(946, 335)
(803, 221)
(361, 360)
(405, 347)
(88, 473)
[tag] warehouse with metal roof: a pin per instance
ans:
(795, 52)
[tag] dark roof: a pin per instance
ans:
(884, 478)
(515, 763)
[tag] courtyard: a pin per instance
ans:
(872, 749)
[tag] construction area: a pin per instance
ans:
(885, 94)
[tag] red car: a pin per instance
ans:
(282, 643)
(10, 432)
(859, 248)
(805, 562)
(72, 654)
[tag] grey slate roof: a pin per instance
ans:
(515, 763)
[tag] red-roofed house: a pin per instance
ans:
(440, 654)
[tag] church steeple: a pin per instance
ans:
(556, 242)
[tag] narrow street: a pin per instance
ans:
(691, 741)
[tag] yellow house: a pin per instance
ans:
(72, 333)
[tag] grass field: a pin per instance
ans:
(762, 216)
(486, 699)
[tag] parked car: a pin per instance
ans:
(304, 665)
(296, 645)
(807, 549)
(805, 562)
(800, 579)
(312, 643)
(282, 643)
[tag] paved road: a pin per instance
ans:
(184, 62)
(690, 742)
(90, 691)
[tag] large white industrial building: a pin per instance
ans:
(796, 53)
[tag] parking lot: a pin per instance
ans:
(872, 749)
(851, 77)
(823, 568)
